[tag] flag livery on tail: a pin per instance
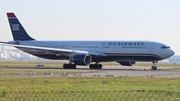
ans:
(17, 29)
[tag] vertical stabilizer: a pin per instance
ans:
(17, 29)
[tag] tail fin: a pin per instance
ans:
(17, 29)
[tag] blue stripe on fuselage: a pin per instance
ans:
(106, 58)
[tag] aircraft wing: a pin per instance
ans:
(48, 50)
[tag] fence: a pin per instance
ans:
(138, 95)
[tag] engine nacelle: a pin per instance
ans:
(127, 63)
(82, 59)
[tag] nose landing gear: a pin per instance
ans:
(154, 67)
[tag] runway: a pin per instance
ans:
(136, 71)
(106, 71)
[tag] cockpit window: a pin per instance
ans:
(165, 47)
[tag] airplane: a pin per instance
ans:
(88, 53)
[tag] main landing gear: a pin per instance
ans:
(95, 66)
(69, 66)
(73, 66)
(154, 65)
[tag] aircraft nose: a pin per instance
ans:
(171, 52)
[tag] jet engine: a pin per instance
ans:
(82, 59)
(127, 63)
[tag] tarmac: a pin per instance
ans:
(106, 71)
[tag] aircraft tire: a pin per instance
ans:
(69, 66)
(91, 66)
(100, 66)
(74, 66)
(95, 66)
(154, 68)
(65, 66)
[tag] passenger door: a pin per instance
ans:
(151, 47)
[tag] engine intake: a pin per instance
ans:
(84, 59)
(127, 63)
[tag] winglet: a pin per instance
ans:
(11, 15)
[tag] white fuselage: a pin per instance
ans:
(113, 50)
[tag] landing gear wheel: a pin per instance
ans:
(95, 66)
(154, 65)
(99, 66)
(154, 68)
(65, 66)
(69, 66)
(74, 66)
(91, 66)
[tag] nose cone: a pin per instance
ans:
(171, 52)
(167, 54)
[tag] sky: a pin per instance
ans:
(152, 20)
